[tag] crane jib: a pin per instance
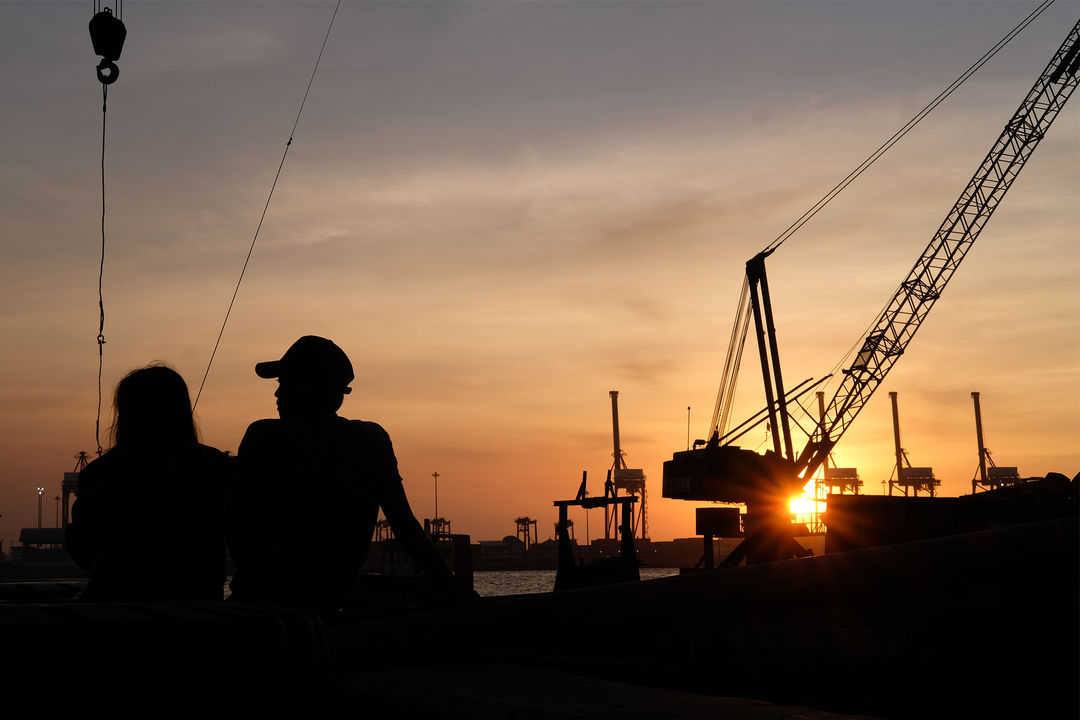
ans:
(714, 470)
(897, 324)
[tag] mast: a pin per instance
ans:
(982, 448)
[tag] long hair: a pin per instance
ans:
(153, 408)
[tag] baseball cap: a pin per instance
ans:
(311, 358)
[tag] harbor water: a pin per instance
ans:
(495, 583)
(492, 583)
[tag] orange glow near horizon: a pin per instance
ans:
(805, 504)
(531, 215)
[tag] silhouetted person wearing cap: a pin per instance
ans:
(310, 488)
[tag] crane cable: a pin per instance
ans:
(266, 207)
(857, 344)
(101, 275)
(736, 343)
(107, 33)
(907, 127)
(724, 396)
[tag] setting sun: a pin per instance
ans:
(805, 504)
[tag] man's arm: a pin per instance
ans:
(395, 506)
(408, 532)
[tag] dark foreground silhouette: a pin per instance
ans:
(148, 519)
(309, 491)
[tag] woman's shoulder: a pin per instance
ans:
(210, 451)
(109, 462)
(210, 455)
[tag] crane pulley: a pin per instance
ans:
(107, 32)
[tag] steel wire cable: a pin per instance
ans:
(906, 128)
(884, 147)
(101, 274)
(266, 206)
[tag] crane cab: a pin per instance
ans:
(727, 473)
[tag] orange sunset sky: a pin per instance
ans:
(503, 210)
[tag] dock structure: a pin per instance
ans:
(623, 568)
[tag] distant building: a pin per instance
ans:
(41, 553)
(509, 549)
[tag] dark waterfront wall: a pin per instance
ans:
(678, 553)
(976, 625)
(861, 521)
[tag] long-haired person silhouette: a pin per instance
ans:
(148, 519)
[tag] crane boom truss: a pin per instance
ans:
(907, 309)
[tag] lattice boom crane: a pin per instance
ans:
(917, 294)
(723, 472)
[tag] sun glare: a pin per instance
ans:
(805, 504)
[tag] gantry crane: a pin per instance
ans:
(989, 475)
(721, 471)
(629, 480)
(908, 478)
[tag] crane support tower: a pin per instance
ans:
(831, 480)
(989, 476)
(721, 471)
(907, 478)
(835, 479)
(839, 480)
(630, 480)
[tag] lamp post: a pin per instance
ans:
(40, 492)
(436, 476)
(57, 499)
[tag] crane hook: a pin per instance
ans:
(107, 33)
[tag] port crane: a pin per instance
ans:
(721, 471)
(989, 475)
(908, 478)
(621, 477)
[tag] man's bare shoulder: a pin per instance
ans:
(368, 433)
(368, 427)
(261, 431)
(264, 425)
